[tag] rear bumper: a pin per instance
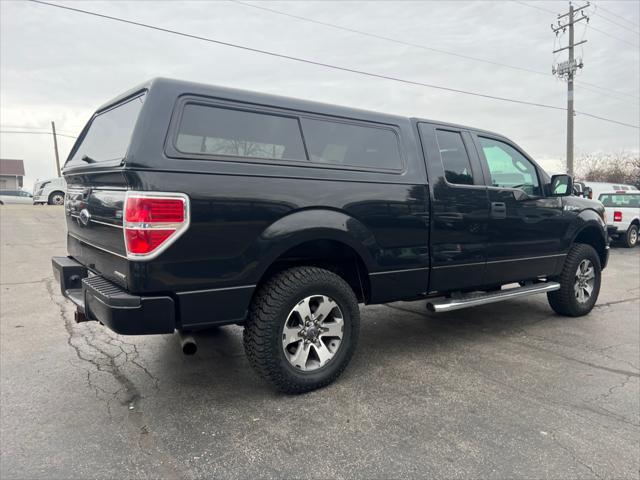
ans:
(616, 230)
(101, 300)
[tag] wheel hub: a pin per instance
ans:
(585, 280)
(312, 333)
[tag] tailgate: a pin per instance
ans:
(94, 224)
(94, 216)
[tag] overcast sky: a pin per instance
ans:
(60, 65)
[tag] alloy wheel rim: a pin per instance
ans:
(312, 333)
(58, 199)
(584, 281)
(633, 236)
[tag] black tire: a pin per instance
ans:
(269, 312)
(565, 301)
(56, 198)
(631, 238)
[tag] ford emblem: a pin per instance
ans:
(85, 216)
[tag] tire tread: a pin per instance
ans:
(563, 301)
(263, 322)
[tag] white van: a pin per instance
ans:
(51, 191)
(598, 188)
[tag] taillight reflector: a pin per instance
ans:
(152, 221)
(617, 216)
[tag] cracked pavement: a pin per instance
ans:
(508, 390)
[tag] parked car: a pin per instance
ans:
(51, 191)
(580, 189)
(15, 196)
(623, 214)
(190, 207)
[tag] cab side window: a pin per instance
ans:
(455, 160)
(508, 168)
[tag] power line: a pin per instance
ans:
(321, 64)
(613, 36)
(595, 90)
(411, 44)
(37, 133)
(617, 16)
(609, 12)
(388, 39)
(33, 129)
(599, 14)
(536, 7)
(615, 92)
(606, 119)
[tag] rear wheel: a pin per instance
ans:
(302, 329)
(56, 198)
(631, 238)
(579, 282)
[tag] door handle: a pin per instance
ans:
(498, 210)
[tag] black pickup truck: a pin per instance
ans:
(190, 207)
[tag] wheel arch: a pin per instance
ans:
(592, 234)
(319, 237)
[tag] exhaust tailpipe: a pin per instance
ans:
(187, 343)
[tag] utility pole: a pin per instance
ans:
(568, 68)
(55, 147)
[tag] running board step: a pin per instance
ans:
(475, 299)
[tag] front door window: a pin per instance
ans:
(508, 168)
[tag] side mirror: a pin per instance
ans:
(561, 186)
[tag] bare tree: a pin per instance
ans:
(613, 167)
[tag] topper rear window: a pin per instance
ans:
(109, 134)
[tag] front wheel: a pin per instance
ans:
(302, 329)
(56, 198)
(579, 282)
(631, 238)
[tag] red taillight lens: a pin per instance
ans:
(150, 210)
(152, 221)
(141, 242)
(617, 216)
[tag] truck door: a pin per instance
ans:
(460, 208)
(526, 228)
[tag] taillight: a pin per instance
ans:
(617, 216)
(152, 221)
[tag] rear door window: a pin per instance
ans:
(351, 145)
(109, 134)
(455, 159)
(217, 131)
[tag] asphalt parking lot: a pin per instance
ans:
(503, 391)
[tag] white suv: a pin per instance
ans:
(623, 215)
(51, 191)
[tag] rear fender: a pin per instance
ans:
(313, 224)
